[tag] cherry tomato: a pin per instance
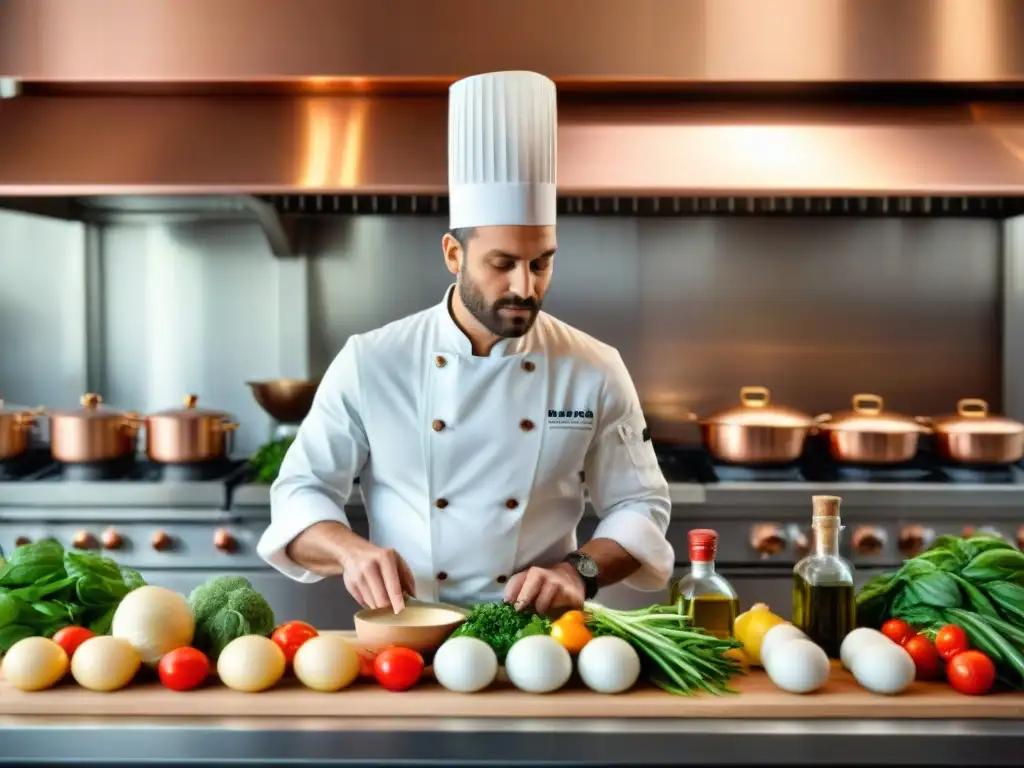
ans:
(571, 634)
(572, 617)
(398, 669)
(950, 641)
(898, 631)
(971, 672)
(183, 669)
(291, 635)
(366, 659)
(70, 638)
(925, 657)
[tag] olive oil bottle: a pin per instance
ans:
(823, 597)
(707, 597)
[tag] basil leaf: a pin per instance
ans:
(10, 607)
(12, 633)
(994, 565)
(937, 589)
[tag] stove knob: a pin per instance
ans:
(968, 531)
(767, 540)
(22, 541)
(868, 541)
(84, 540)
(1020, 538)
(112, 539)
(224, 541)
(161, 541)
(914, 539)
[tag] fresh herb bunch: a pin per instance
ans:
(678, 657)
(976, 583)
(265, 464)
(44, 588)
(500, 625)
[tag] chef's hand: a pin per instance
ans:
(376, 577)
(548, 590)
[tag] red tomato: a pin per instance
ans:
(366, 659)
(183, 669)
(70, 638)
(971, 672)
(398, 669)
(898, 631)
(290, 637)
(950, 641)
(925, 657)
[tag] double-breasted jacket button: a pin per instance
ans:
(502, 579)
(440, 361)
(442, 576)
(441, 503)
(511, 503)
(528, 366)
(526, 425)
(438, 425)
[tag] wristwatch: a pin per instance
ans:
(587, 568)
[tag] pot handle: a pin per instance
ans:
(755, 397)
(972, 408)
(132, 422)
(867, 405)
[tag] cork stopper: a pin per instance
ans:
(826, 511)
(703, 543)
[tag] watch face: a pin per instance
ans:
(587, 567)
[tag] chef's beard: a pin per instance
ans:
(503, 326)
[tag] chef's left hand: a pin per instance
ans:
(548, 590)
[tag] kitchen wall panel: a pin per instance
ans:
(813, 308)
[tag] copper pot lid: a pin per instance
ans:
(93, 409)
(868, 414)
(757, 410)
(972, 417)
(190, 411)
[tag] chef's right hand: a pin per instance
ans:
(377, 577)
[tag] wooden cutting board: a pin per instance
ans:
(842, 697)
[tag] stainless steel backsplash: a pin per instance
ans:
(815, 309)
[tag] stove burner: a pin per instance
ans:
(91, 471)
(190, 473)
(735, 473)
(24, 465)
(989, 474)
(864, 474)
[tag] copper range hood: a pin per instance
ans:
(180, 107)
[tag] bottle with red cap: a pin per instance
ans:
(707, 597)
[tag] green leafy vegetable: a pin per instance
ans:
(500, 625)
(678, 657)
(44, 588)
(225, 608)
(976, 583)
(265, 464)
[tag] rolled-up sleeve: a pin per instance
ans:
(316, 476)
(626, 485)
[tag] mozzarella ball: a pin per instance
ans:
(884, 668)
(34, 663)
(608, 664)
(798, 666)
(155, 621)
(105, 663)
(856, 641)
(776, 636)
(538, 664)
(251, 663)
(465, 664)
(326, 663)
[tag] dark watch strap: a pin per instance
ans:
(587, 568)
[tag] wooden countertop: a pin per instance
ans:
(758, 698)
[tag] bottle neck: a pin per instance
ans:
(702, 568)
(826, 540)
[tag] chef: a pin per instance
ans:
(475, 426)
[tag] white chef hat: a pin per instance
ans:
(502, 148)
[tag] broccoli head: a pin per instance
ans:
(225, 608)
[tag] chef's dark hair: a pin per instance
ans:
(462, 235)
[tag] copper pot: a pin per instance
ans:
(756, 431)
(868, 434)
(670, 420)
(189, 435)
(92, 433)
(973, 436)
(15, 430)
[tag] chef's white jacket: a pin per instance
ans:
(473, 468)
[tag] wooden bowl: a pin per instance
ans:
(421, 628)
